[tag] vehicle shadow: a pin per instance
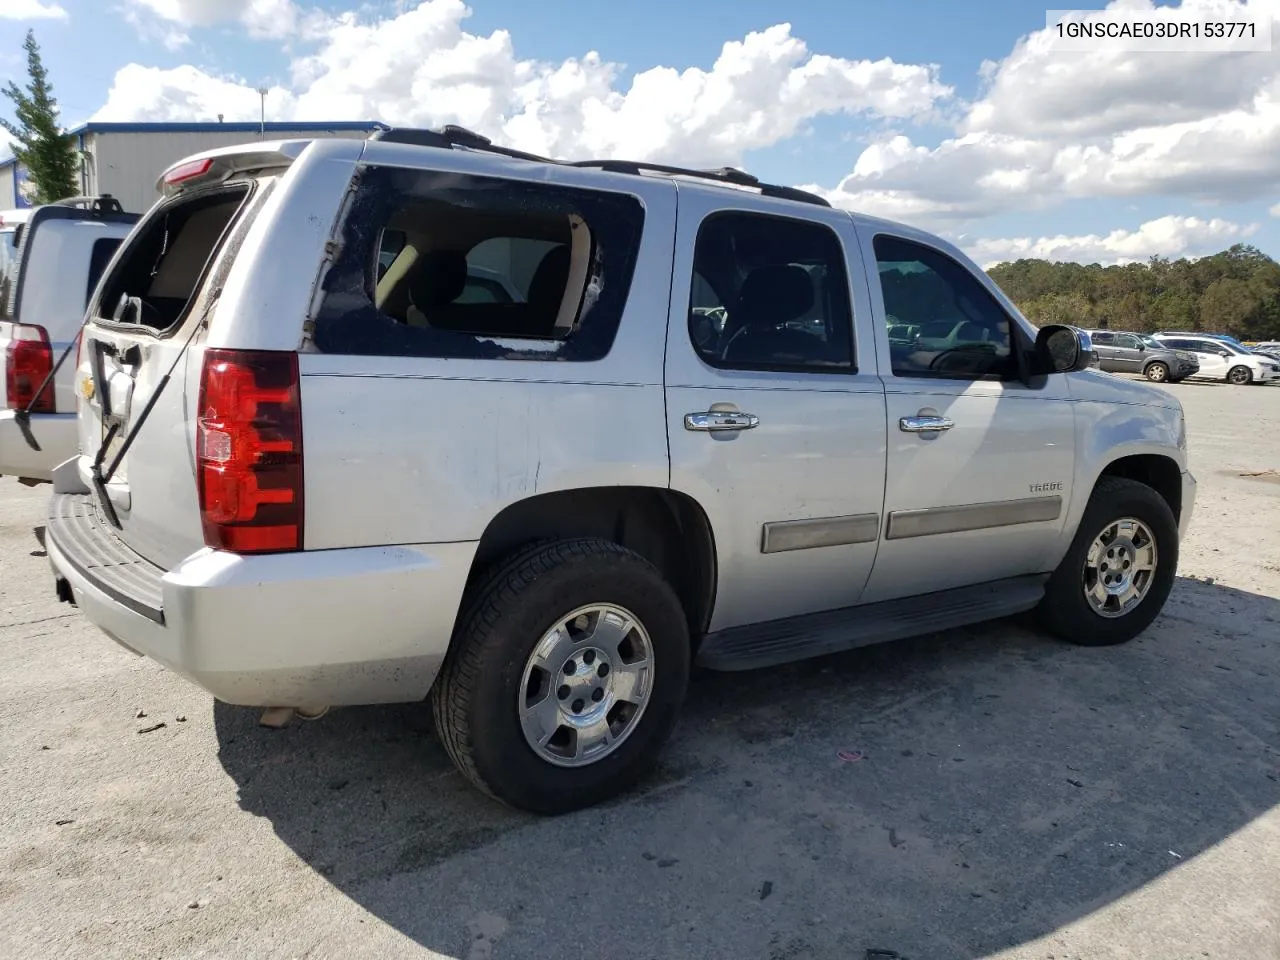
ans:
(946, 796)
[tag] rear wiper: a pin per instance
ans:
(96, 474)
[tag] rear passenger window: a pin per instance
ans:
(770, 293)
(99, 257)
(8, 270)
(447, 265)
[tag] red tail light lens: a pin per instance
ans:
(28, 360)
(249, 451)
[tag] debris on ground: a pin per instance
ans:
(154, 727)
(851, 756)
(181, 719)
(894, 840)
(766, 888)
(62, 823)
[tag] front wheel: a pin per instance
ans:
(565, 676)
(1239, 376)
(1119, 570)
(1157, 372)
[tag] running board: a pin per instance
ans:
(834, 631)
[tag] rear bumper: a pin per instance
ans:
(54, 432)
(309, 629)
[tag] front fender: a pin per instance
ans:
(1109, 432)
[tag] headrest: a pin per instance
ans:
(546, 289)
(439, 277)
(774, 294)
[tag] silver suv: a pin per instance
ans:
(719, 423)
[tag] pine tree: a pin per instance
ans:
(42, 147)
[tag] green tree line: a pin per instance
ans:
(1236, 292)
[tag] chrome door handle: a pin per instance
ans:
(925, 424)
(717, 420)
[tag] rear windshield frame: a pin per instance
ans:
(229, 240)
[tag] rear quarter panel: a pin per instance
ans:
(405, 450)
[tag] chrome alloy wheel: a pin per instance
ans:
(1120, 567)
(586, 685)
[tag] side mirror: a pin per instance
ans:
(1063, 349)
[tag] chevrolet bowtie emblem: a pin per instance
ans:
(87, 388)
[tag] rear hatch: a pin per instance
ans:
(141, 358)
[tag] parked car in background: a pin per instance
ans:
(1203, 335)
(1221, 359)
(51, 258)
(1124, 352)
(540, 515)
(1268, 348)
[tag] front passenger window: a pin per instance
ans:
(942, 322)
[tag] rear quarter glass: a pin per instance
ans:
(568, 253)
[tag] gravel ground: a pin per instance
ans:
(1018, 797)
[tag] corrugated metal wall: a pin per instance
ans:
(8, 194)
(127, 165)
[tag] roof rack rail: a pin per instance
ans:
(105, 203)
(451, 135)
(730, 175)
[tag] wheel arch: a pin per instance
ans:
(667, 528)
(1160, 473)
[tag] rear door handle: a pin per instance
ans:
(717, 420)
(925, 424)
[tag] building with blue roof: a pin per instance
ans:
(126, 159)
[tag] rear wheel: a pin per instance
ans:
(1119, 571)
(565, 676)
(1239, 375)
(1157, 372)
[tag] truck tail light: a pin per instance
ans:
(28, 360)
(249, 451)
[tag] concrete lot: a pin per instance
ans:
(1019, 797)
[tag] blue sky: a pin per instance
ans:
(1112, 155)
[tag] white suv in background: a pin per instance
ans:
(51, 258)
(719, 423)
(1222, 360)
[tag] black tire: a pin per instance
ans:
(1157, 372)
(474, 700)
(1239, 376)
(1065, 612)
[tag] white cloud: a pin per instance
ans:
(422, 68)
(1275, 211)
(184, 94)
(1166, 237)
(31, 10)
(262, 18)
(1053, 126)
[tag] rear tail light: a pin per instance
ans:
(249, 451)
(28, 360)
